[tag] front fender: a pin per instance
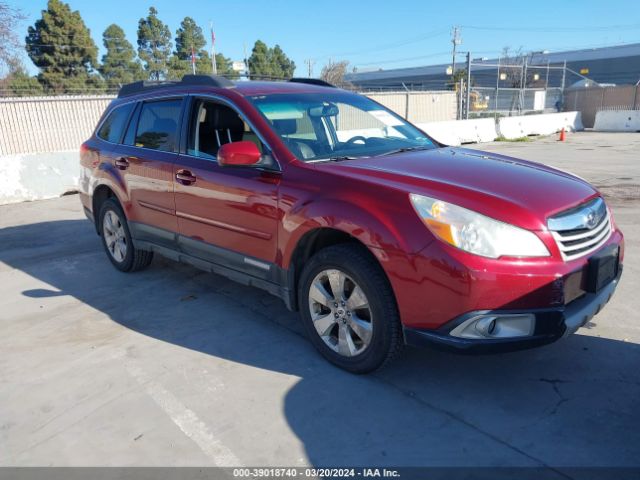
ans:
(380, 232)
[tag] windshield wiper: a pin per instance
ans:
(340, 158)
(337, 158)
(402, 150)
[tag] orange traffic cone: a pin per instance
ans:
(562, 135)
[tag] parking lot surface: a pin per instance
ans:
(173, 366)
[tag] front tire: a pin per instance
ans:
(116, 239)
(349, 310)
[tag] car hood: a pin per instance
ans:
(515, 191)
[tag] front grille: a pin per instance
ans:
(581, 231)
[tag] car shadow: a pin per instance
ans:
(573, 403)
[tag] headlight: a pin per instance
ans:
(476, 233)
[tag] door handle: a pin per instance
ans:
(185, 177)
(122, 163)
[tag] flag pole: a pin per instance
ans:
(214, 67)
(193, 60)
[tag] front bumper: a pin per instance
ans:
(551, 325)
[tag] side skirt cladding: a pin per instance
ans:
(210, 258)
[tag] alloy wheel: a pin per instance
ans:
(340, 312)
(114, 236)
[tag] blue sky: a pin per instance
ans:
(374, 34)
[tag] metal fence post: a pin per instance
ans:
(497, 88)
(468, 92)
(460, 107)
(406, 105)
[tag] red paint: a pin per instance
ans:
(239, 153)
(265, 214)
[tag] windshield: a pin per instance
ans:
(337, 126)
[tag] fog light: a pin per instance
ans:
(496, 326)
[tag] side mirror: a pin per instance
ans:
(239, 153)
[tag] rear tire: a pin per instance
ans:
(349, 310)
(116, 239)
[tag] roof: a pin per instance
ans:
(250, 88)
(246, 88)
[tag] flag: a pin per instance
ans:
(193, 56)
(213, 36)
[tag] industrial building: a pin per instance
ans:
(616, 65)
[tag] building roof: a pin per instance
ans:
(554, 58)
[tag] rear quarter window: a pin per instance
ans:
(113, 127)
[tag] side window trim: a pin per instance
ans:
(132, 126)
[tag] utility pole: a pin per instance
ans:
(455, 40)
(468, 92)
(310, 63)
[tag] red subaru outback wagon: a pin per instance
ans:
(377, 234)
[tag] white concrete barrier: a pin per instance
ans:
(457, 132)
(36, 176)
(541, 124)
(617, 121)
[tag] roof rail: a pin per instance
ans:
(146, 86)
(312, 81)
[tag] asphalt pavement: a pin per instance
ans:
(173, 366)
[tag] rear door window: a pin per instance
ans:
(158, 125)
(113, 127)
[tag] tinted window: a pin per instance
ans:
(112, 128)
(158, 125)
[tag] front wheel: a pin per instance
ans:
(349, 310)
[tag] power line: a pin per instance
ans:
(554, 29)
(387, 46)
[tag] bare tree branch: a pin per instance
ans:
(9, 43)
(334, 72)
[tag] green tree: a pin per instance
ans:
(283, 66)
(266, 62)
(459, 74)
(60, 45)
(18, 82)
(189, 36)
(223, 66)
(259, 61)
(119, 65)
(21, 84)
(154, 45)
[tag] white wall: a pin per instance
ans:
(38, 176)
(617, 121)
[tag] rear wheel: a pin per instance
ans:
(116, 239)
(349, 310)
